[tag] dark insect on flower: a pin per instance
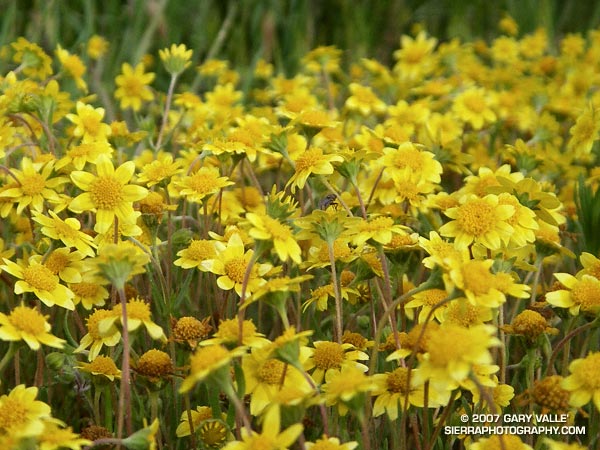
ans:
(327, 201)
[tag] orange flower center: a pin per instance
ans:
(28, 320)
(397, 381)
(33, 184)
(236, 268)
(106, 192)
(328, 355)
(40, 277)
(272, 372)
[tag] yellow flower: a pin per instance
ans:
(88, 123)
(94, 338)
(190, 330)
(479, 220)
(331, 443)
(73, 65)
(199, 415)
(154, 365)
(584, 383)
(311, 161)
(267, 228)
(206, 181)
(391, 389)
(33, 60)
(103, 366)
(62, 262)
(198, 250)
(581, 295)
(228, 333)
(37, 278)
(550, 395)
(97, 47)
(138, 314)
(415, 57)
(108, 194)
(207, 360)
(21, 415)
(160, 170)
(380, 229)
(427, 300)
(231, 264)
(343, 386)
(56, 436)
(265, 376)
(330, 356)
(132, 86)
(176, 59)
(271, 437)
(451, 353)
(364, 101)
(85, 152)
(27, 324)
(474, 106)
(530, 324)
(89, 291)
(34, 186)
(584, 133)
(67, 231)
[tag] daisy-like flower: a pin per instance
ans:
(62, 262)
(57, 436)
(391, 389)
(108, 193)
(380, 229)
(67, 231)
(584, 132)
(267, 228)
(190, 330)
(73, 66)
(265, 376)
(415, 57)
(154, 365)
(33, 60)
(132, 86)
(176, 58)
(198, 250)
(530, 324)
(341, 387)
(101, 367)
(550, 395)
(581, 295)
(452, 352)
(479, 220)
(427, 300)
(97, 47)
(331, 356)
(85, 152)
(364, 100)
(271, 437)
(330, 443)
(88, 123)
(89, 292)
(311, 161)
(22, 415)
(160, 170)
(202, 183)
(441, 253)
(37, 278)
(228, 333)
(583, 383)
(27, 324)
(94, 339)
(231, 264)
(138, 314)
(482, 287)
(474, 106)
(34, 186)
(199, 415)
(208, 360)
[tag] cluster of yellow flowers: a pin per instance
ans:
(354, 241)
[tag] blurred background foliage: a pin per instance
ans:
(280, 31)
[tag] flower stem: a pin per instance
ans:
(125, 391)
(336, 291)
